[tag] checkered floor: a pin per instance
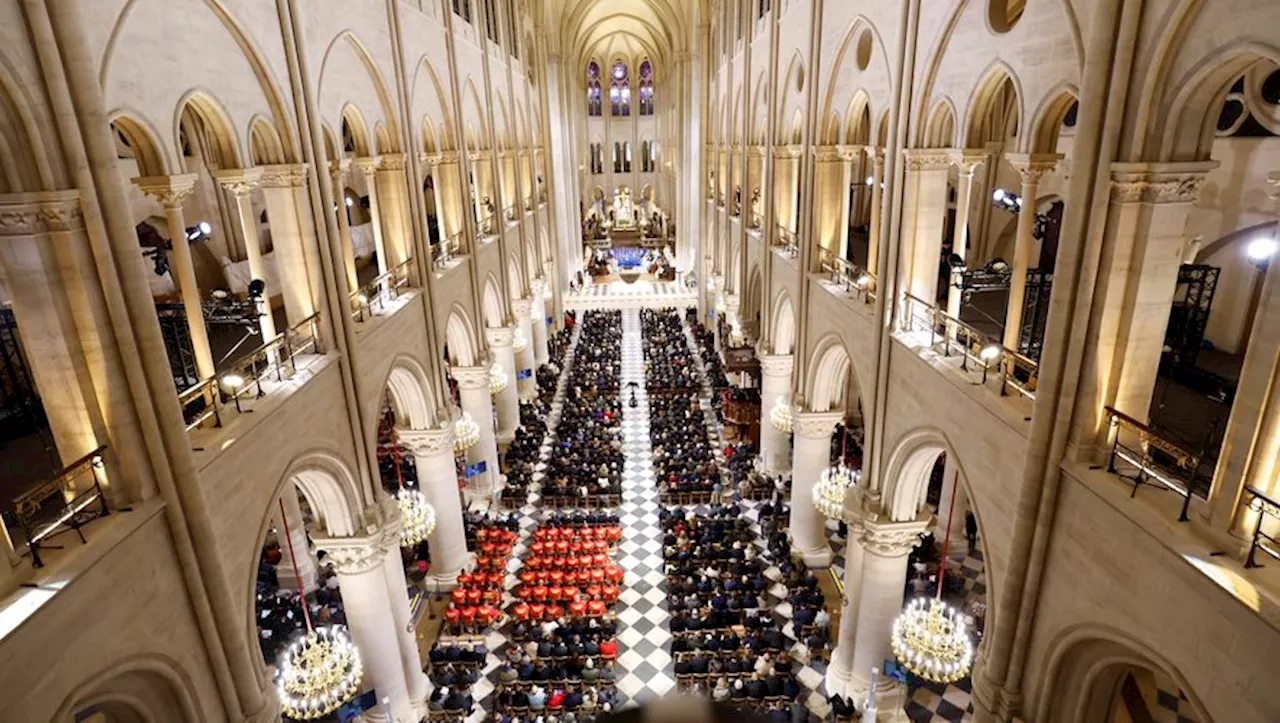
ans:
(620, 294)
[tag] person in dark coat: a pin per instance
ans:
(971, 530)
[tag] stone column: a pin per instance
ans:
(289, 237)
(775, 384)
(880, 596)
(813, 432)
(306, 573)
(240, 184)
(923, 215)
(506, 401)
(968, 161)
(732, 308)
(360, 563)
(1032, 167)
(839, 677)
(877, 195)
(538, 324)
(527, 387)
(369, 167)
(473, 388)
(432, 452)
(402, 618)
(393, 208)
(337, 169)
(848, 206)
(171, 191)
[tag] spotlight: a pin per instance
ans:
(350, 203)
(998, 196)
(220, 294)
(205, 228)
(863, 281)
(870, 181)
(256, 287)
(232, 382)
(1262, 249)
(989, 353)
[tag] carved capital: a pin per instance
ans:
(354, 555)
(788, 151)
(170, 191)
(777, 365)
(830, 154)
(1158, 182)
(927, 159)
(816, 425)
(500, 337)
(339, 167)
(968, 160)
(393, 162)
(367, 164)
(875, 154)
(290, 175)
(239, 182)
(1033, 166)
(472, 377)
(1273, 180)
(521, 307)
(893, 539)
(427, 442)
(30, 214)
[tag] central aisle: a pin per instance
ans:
(645, 636)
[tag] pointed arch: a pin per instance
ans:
(492, 301)
(784, 324)
(409, 389)
(200, 113)
(140, 140)
(460, 337)
(831, 381)
(24, 162)
(355, 132)
(375, 78)
(857, 121)
(265, 147)
(150, 686)
(1046, 123)
(995, 107)
(940, 132)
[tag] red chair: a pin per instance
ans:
(578, 609)
(452, 616)
(538, 611)
(596, 608)
(594, 592)
(521, 611)
(555, 612)
(459, 596)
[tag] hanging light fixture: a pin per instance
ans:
(320, 670)
(498, 379)
(782, 417)
(931, 638)
(465, 433)
(834, 483)
(519, 342)
(417, 516)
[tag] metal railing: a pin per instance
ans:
(509, 213)
(856, 281)
(1150, 456)
(200, 404)
(67, 502)
(1015, 370)
(372, 298)
(1264, 507)
(484, 226)
(445, 251)
(757, 221)
(787, 239)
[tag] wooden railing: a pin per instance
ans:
(372, 298)
(67, 502)
(1014, 370)
(857, 282)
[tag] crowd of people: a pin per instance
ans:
(475, 604)
(569, 571)
(668, 362)
(559, 670)
(521, 457)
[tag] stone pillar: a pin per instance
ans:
(968, 161)
(527, 387)
(848, 206)
(289, 237)
(240, 184)
(1032, 167)
(506, 401)
(366, 601)
(432, 452)
(830, 198)
(538, 325)
(775, 384)
(813, 432)
(402, 618)
(171, 191)
(877, 195)
(369, 166)
(473, 389)
(306, 574)
(880, 597)
(393, 207)
(337, 169)
(839, 677)
(923, 215)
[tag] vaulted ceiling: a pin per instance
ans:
(607, 29)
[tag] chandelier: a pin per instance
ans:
(931, 639)
(833, 484)
(465, 433)
(498, 379)
(417, 517)
(782, 417)
(320, 670)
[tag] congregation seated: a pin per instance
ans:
(568, 571)
(582, 518)
(683, 460)
(669, 363)
(521, 457)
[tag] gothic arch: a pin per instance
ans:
(492, 301)
(356, 131)
(375, 77)
(1184, 128)
(24, 164)
(857, 120)
(1046, 122)
(200, 107)
(141, 141)
(265, 147)
(139, 688)
(995, 103)
(832, 380)
(784, 324)
(409, 389)
(460, 336)
(941, 129)
(425, 69)
(851, 39)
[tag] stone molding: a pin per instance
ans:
(393, 162)
(835, 154)
(1033, 166)
(968, 159)
(892, 539)
(290, 175)
(367, 164)
(1158, 183)
(239, 182)
(788, 151)
(1273, 180)
(472, 377)
(777, 365)
(356, 555)
(816, 425)
(927, 159)
(31, 214)
(427, 442)
(170, 191)
(521, 307)
(339, 167)
(500, 336)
